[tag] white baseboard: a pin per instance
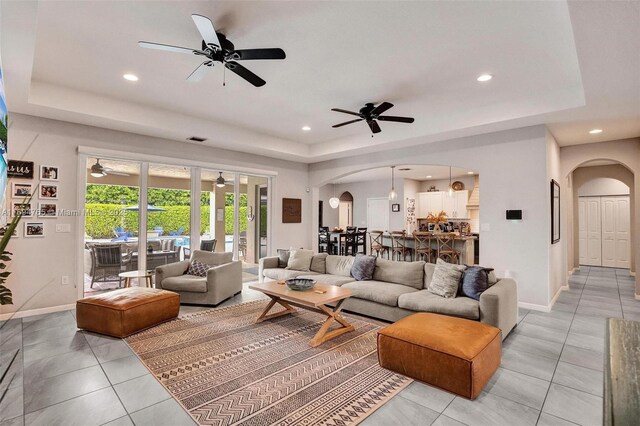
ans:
(40, 311)
(534, 307)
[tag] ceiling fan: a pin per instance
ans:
(217, 48)
(98, 170)
(370, 114)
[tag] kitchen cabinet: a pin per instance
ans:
(434, 202)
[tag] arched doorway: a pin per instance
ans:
(345, 210)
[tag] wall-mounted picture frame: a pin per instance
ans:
(20, 169)
(21, 190)
(50, 173)
(48, 191)
(3, 231)
(25, 209)
(291, 210)
(555, 211)
(33, 229)
(47, 210)
(395, 208)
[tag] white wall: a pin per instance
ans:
(601, 187)
(557, 252)
(514, 176)
(39, 263)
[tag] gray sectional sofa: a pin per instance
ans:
(399, 289)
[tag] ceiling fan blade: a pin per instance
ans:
(167, 47)
(345, 111)
(117, 173)
(245, 73)
(205, 26)
(398, 119)
(347, 122)
(373, 125)
(381, 108)
(248, 54)
(199, 72)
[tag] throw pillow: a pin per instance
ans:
(198, 269)
(283, 258)
(299, 259)
(319, 263)
(363, 267)
(475, 280)
(446, 279)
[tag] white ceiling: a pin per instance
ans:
(416, 172)
(572, 66)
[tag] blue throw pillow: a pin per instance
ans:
(475, 280)
(363, 267)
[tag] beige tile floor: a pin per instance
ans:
(551, 371)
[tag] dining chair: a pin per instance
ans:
(377, 244)
(422, 247)
(399, 248)
(362, 229)
(351, 230)
(208, 245)
(325, 244)
(110, 260)
(361, 242)
(348, 244)
(446, 249)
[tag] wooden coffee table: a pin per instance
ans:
(315, 300)
(129, 275)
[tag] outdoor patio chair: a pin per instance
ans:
(110, 260)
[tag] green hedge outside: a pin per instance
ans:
(102, 219)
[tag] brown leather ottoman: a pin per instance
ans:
(121, 313)
(454, 354)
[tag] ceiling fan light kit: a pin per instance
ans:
(220, 182)
(215, 47)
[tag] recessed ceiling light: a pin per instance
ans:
(130, 77)
(595, 131)
(469, 173)
(484, 77)
(429, 177)
(306, 128)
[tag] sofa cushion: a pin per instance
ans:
(429, 269)
(407, 273)
(475, 280)
(284, 274)
(213, 259)
(337, 280)
(319, 263)
(425, 301)
(198, 269)
(363, 267)
(190, 283)
(378, 291)
(300, 259)
(283, 258)
(340, 265)
(446, 279)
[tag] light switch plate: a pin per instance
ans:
(63, 227)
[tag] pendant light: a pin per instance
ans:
(334, 201)
(220, 182)
(450, 185)
(393, 195)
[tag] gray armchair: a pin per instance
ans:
(223, 281)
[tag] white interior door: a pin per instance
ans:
(582, 231)
(378, 214)
(615, 232)
(594, 232)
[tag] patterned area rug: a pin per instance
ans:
(226, 370)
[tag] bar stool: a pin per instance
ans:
(446, 250)
(423, 249)
(399, 247)
(376, 243)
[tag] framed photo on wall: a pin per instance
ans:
(47, 210)
(291, 210)
(48, 191)
(33, 229)
(21, 190)
(49, 173)
(3, 230)
(395, 208)
(25, 209)
(20, 169)
(555, 212)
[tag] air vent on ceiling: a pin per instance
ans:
(196, 139)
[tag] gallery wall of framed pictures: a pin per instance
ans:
(44, 196)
